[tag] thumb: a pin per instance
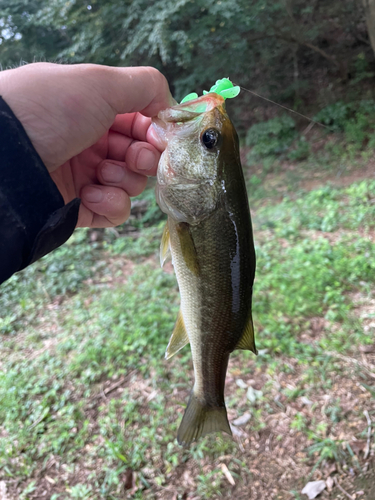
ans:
(127, 90)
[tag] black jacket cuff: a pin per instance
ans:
(33, 218)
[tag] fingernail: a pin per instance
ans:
(112, 172)
(146, 159)
(93, 195)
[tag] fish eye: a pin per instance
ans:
(210, 138)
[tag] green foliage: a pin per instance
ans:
(334, 115)
(301, 150)
(362, 69)
(150, 223)
(134, 247)
(355, 119)
(327, 449)
(348, 208)
(304, 276)
(272, 137)
(60, 273)
(80, 492)
(153, 215)
(55, 372)
(186, 39)
(299, 422)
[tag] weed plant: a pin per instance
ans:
(58, 357)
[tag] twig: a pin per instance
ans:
(348, 359)
(112, 387)
(38, 420)
(342, 489)
(308, 128)
(368, 447)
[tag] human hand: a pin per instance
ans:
(91, 126)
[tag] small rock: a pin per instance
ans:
(313, 489)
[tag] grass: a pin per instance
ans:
(90, 409)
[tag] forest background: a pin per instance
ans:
(88, 407)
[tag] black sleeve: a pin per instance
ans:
(33, 218)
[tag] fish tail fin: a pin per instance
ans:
(200, 419)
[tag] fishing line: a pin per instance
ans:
(284, 107)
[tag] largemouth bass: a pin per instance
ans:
(200, 186)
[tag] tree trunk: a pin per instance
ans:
(369, 6)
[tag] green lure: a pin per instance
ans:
(223, 87)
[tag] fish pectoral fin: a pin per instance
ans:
(164, 245)
(179, 337)
(199, 420)
(247, 341)
(188, 250)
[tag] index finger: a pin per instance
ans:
(138, 127)
(132, 125)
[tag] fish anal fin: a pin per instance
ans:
(179, 337)
(247, 341)
(188, 250)
(164, 245)
(199, 420)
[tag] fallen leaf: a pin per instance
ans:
(367, 348)
(241, 384)
(242, 420)
(128, 479)
(227, 474)
(130, 483)
(332, 468)
(313, 489)
(3, 490)
(330, 482)
(238, 433)
(187, 479)
(253, 394)
(358, 446)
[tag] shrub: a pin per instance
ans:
(272, 137)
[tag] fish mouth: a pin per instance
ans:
(192, 109)
(187, 116)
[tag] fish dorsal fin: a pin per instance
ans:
(247, 341)
(179, 337)
(188, 250)
(164, 245)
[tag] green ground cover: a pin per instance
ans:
(89, 409)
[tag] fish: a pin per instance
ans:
(201, 187)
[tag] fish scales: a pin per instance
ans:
(210, 238)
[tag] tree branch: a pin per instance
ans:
(296, 40)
